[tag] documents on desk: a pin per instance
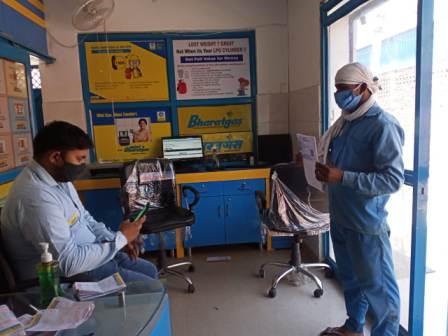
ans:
(61, 314)
(308, 150)
(91, 290)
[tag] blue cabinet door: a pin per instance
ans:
(242, 220)
(209, 226)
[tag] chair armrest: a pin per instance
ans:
(197, 196)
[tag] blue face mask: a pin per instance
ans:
(347, 100)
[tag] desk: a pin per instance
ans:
(188, 178)
(146, 311)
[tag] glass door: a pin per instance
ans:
(384, 36)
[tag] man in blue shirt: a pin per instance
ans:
(43, 206)
(362, 164)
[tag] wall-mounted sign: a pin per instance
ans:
(127, 71)
(214, 119)
(228, 143)
(129, 134)
(212, 68)
(15, 79)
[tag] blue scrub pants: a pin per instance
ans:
(366, 271)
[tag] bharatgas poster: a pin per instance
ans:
(127, 71)
(214, 119)
(129, 134)
(212, 68)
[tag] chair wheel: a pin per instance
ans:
(191, 268)
(261, 273)
(191, 289)
(329, 274)
(318, 293)
(272, 292)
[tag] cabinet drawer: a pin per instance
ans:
(243, 187)
(207, 188)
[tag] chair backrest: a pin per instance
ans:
(7, 278)
(290, 209)
(150, 180)
(294, 177)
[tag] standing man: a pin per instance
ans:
(362, 165)
(43, 206)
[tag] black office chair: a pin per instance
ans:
(290, 212)
(9, 282)
(153, 181)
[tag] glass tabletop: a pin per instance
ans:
(115, 314)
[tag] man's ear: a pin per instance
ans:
(363, 88)
(55, 157)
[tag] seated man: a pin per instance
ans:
(43, 206)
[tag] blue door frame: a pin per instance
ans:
(418, 177)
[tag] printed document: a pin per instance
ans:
(308, 149)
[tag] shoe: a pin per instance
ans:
(339, 331)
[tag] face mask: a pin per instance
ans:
(347, 100)
(71, 171)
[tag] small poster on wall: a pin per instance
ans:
(15, 79)
(212, 68)
(4, 116)
(19, 114)
(22, 148)
(228, 143)
(129, 134)
(127, 71)
(2, 78)
(6, 153)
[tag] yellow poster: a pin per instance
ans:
(228, 143)
(15, 79)
(123, 71)
(214, 119)
(129, 134)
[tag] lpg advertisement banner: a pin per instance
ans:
(212, 68)
(214, 119)
(124, 71)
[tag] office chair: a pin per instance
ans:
(290, 212)
(153, 181)
(9, 282)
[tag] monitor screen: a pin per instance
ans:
(179, 148)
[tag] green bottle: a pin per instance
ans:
(48, 274)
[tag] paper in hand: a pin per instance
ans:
(308, 150)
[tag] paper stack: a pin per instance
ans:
(90, 290)
(61, 314)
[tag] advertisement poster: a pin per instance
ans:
(19, 115)
(6, 153)
(2, 78)
(228, 143)
(4, 116)
(123, 71)
(15, 76)
(214, 119)
(129, 134)
(212, 68)
(23, 148)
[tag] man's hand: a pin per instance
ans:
(328, 174)
(131, 230)
(133, 248)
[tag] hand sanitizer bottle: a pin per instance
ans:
(48, 274)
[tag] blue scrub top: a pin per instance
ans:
(369, 151)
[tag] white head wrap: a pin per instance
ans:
(353, 74)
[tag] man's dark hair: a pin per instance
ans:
(144, 120)
(60, 136)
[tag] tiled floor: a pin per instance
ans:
(230, 299)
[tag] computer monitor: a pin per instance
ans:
(182, 148)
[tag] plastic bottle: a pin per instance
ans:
(48, 274)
